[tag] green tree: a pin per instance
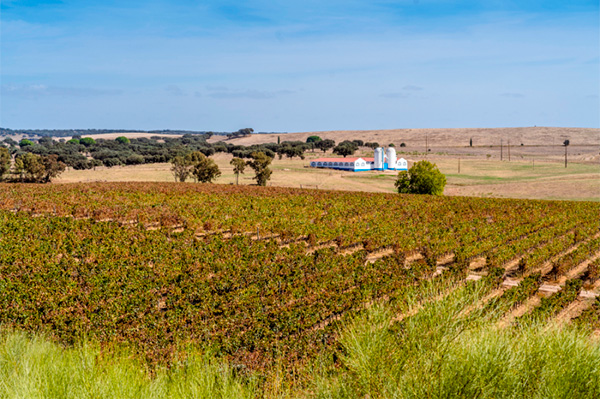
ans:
(260, 163)
(25, 143)
(135, 159)
(241, 133)
(87, 141)
(4, 161)
(325, 145)
(30, 167)
(294, 151)
(204, 169)
(52, 167)
(194, 157)
(73, 141)
(238, 167)
(46, 141)
(313, 140)
(181, 168)
(122, 140)
(422, 178)
(345, 148)
(245, 132)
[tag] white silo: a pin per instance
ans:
(391, 158)
(378, 159)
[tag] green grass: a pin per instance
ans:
(445, 352)
(33, 367)
(448, 349)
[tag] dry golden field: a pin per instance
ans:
(441, 138)
(520, 178)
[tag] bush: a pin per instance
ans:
(135, 159)
(422, 178)
(114, 161)
(87, 141)
(122, 140)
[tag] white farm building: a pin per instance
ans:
(381, 161)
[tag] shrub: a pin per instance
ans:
(422, 178)
(87, 141)
(135, 159)
(122, 140)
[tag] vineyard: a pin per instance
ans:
(264, 275)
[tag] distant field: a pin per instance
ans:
(415, 138)
(131, 135)
(479, 177)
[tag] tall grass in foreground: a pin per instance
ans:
(447, 352)
(450, 348)
(32, 367)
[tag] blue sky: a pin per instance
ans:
(299, 65)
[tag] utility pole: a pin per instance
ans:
(508, 150)
(566, 144)
(501, 151)
(426, 144)
(459, 166)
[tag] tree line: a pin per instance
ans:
(86, 153)
(40, 160)
(43, 159)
